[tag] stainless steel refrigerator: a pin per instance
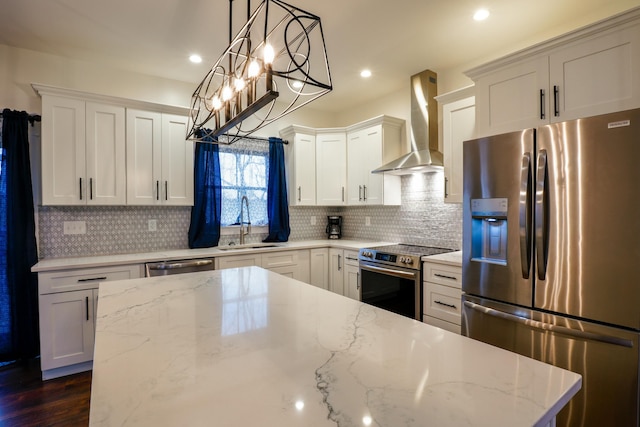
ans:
(551, 255)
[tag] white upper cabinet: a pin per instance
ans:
(458, 125)
(159, 159)
(301, 165)
(83, 152)
(370, 144)
(587, 72)
(331, 163)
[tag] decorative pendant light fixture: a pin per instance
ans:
(279, 53)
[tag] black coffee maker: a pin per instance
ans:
(334, 227)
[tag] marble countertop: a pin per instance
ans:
(53, 264)
(243, 347)
(450, 258)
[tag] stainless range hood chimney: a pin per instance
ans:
(424, 155)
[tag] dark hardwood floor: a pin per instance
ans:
(26, 400)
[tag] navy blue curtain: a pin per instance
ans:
(277, 200)
(204, 230)
(19, 336)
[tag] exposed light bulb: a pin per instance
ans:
(365, 73)
(254, 69)
(227, 93)
(297, 84)
(239, 84)
(269, 54)
(216, 103)
(196, 59)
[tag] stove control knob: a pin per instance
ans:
(366, 254)
(403, 260)
(408, 260)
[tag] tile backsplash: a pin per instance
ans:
(422, 219)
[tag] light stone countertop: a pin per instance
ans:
(249, 347)
(450, 258)
(53, 264)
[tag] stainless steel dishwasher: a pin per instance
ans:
(166, 268)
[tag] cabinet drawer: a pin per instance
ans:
(351, 258)
(85, 278)
(279, 259)
(443, 274)
(442, 302)
(236, 261)
(447, 326)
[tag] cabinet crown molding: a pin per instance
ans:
(42, 89)
(628, 18)
(383, 119)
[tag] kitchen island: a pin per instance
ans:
(247, 346)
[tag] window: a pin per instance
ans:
(244, 167)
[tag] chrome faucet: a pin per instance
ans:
(244, 201)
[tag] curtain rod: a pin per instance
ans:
(256, 138)
(32, 118)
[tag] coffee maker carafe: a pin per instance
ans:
(334, 227)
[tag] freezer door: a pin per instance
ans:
(606, 357)
(587, 218)
(497, 250)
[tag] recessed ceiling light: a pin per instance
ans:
(196, 59)
(481, 14)
(365, 73)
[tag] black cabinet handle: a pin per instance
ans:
(166, 190)
(90, 188)
(445, 277)
(86, 301)
(157, 190)
(446, 182)
(80, 188)
(446, 305)
(542, 114)
(556, 100)
(92, 279)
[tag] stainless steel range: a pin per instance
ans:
(391, 277)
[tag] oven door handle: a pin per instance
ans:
(396, 273)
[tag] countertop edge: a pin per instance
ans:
(55, 264)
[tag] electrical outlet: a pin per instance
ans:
(367, 221)
(153, 225)
(313, 220)
(74, 227)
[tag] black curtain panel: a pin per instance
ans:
(19, 336)
(204, 230)
(277, 200)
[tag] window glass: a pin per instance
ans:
(244, 168)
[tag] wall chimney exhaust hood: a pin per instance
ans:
(424, 155)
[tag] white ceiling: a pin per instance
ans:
(395, 39)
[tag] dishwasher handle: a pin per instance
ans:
(176, 265)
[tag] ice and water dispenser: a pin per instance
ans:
(489, 230)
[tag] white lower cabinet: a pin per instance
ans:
(294, 263)
(68, 303)
(319, 267)
(442, 295)
(344, 273)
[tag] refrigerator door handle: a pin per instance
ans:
(534, 324)
(525, 215)
(541, 215)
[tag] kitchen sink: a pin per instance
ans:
(248, 246)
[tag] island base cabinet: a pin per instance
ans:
(67, 330)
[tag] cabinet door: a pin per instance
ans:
(511, 99)
(371, 158)
(319, 265)
(177, 162)
(302, 170)
(105, 155)
(63, 151)
(356, 165)
(66, 328)
(458, 123)
(331, 161)
(144, 157)
(597, 76)
(352, 281)
(336, 271)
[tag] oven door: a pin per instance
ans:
(391, 288)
